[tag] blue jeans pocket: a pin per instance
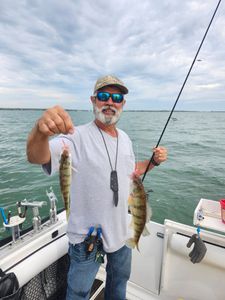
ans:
(78, 253)
(82, 272)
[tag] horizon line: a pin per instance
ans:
(125, 110)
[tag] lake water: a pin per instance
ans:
(195, 168)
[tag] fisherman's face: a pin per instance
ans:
(108, 112)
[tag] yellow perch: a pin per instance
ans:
(65, 174)
(140, 210)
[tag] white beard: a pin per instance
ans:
(107, 120)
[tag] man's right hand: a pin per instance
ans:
(55, 120)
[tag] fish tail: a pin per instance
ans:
(137, 247)
(145, 231)
(67, 213)
(131, 243)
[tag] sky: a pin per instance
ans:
(52, 52)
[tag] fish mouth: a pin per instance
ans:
(136, 175)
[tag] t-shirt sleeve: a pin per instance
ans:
(55, 146)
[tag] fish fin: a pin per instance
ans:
(130, 200)
(145, 231)
(137, 247)
(131, 223)
(130, 243)
(148, 212)
(74, 169)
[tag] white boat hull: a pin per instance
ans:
(161, 270)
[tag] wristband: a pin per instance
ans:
(154, 162)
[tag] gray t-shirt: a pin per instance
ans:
(91, 197)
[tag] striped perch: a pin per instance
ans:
(140, 210)
(65, 174)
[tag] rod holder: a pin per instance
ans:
(53, 209)
(14, 225)
(35, 205)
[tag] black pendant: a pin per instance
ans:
(114, 186)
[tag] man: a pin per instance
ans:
(103, 160)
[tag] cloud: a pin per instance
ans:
(208, 86)
(53, 51)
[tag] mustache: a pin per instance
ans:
(109, 107)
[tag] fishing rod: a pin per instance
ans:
(182, 87)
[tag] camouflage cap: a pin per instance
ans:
(110, 80)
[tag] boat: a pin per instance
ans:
(162, 269)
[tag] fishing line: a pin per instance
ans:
(182, 87)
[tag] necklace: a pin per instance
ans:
(113, 175)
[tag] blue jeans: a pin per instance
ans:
(83, 270)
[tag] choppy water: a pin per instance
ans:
(195, 168)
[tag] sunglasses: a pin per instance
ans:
(104, 97)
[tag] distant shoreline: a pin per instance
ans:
(132, 110)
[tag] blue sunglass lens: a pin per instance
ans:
(104, 96)
(117, 98)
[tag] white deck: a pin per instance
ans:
(162, 270)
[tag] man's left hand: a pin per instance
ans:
(160, 154)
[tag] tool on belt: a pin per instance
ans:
(89, 241)
(100, 253)
(92, 241)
